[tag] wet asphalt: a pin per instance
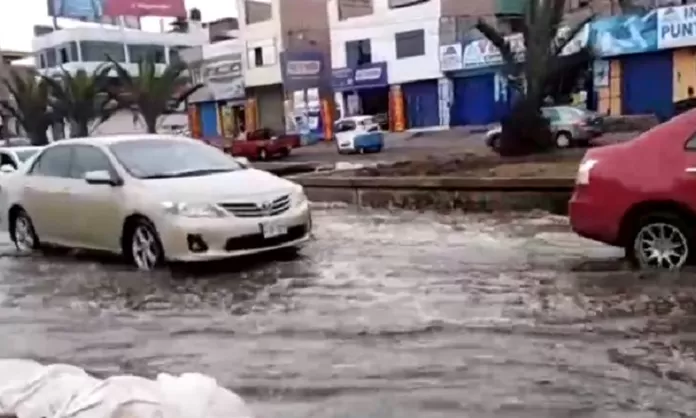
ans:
(382, 315)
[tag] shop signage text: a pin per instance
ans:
(676, 27)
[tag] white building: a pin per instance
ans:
(87, 47)
(379, 43)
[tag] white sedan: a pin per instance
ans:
(152, 198)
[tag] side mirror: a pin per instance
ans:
(7, 169)
(100, 177)
(243, 161)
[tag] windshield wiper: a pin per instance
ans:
(188, 173)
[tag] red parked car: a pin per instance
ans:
(641, 195)
(264, 144)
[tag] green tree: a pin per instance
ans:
(151, 93)
(29, 104)
(82, 99)
(525, 130)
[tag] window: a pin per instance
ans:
(51, 58)
(258, 57)
(174, 55)
(63, 56)
(54, 162)
(396, 4)
(345, 126)
(87, 158)
(358, 52)
(42, 60)
(24, 155)
(142, 52)
(410, 44)
(6, 159)
(98, 51)
(157, 158)
(551, 114)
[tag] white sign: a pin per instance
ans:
(600, 69)
(451, 57)
(368, 74)
(482, 53)
(676, 27)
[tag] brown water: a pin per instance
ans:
(384, 315)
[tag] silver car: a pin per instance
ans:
(571, 126)
(152, 198)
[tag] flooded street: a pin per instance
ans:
(383, 315)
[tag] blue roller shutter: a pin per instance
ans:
(647, 84)
(474, 100)
(209, 119)
(422, 106)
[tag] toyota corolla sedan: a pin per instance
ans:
(152, 198)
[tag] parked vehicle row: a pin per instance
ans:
(151, 198)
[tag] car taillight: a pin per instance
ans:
(583, 177)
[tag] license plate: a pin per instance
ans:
(270, 230)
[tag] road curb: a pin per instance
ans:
(443, 193)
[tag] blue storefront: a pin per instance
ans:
(646, 80)
(421, 102)
(362, 90)
(306, 82)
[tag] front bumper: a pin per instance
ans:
(220, 238)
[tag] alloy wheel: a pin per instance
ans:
(661, 245)
(563, 141)
(145, 248)
(24, 235)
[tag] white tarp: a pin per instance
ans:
(32, 390)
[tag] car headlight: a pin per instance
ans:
(194, 210)
(299, 197)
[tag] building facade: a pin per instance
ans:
(285, 43)
(385, 60)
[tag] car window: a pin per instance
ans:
(24, 155)
(53, 162)
(164, 158)
(6, 159)
(551, 114)
(87, 158)
(571, 114)
(346, 126)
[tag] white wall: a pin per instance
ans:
(380, 27)
(267, 36)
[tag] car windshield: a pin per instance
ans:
(24, 155)
(161, 158)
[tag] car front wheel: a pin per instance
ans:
(660, 241)
(563, 140)
(146, 251)
(23, 232)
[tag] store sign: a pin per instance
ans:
(451, 57)
(676, 27)
(482, 53)
(624, 34)
(302, 70)
(363, 77)
(222, 79)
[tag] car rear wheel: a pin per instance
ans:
(563, 140)
(660, 241)
(146, 251)
(495, 142)
(23, 232)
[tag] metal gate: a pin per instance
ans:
(474, 100)
(421, 102)
(647, 84)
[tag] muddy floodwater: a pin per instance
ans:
(383, 315)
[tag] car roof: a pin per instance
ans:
(23, 148)
(115, 139)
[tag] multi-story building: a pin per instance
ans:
(88, 47)
(384, 49)
(286, 56)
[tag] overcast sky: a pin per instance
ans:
(18, 17)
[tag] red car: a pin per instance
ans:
(641, 195)
(264, 144)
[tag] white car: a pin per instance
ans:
(359, 134)
(152, 198)
(12, 157)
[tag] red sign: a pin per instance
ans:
(163, 8)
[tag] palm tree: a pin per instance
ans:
(525, 131)
(81, 99)
(29, 105)
(150, 93)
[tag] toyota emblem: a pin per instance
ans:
(266, 207)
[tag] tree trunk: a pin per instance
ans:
(38, 137)
(151, 124)
(79, 129)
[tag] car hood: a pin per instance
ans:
(219, 187)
